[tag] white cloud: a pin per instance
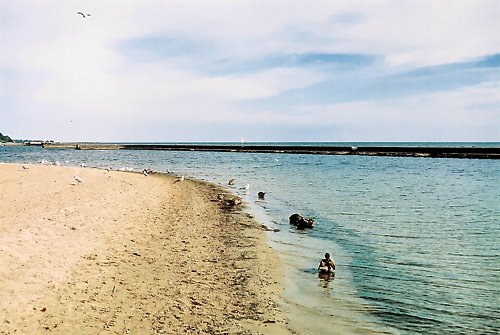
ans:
(440, 32)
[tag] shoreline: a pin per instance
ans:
(122, 252)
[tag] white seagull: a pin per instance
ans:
(179, 179)
(78, 179)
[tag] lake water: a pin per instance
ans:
(416, 240)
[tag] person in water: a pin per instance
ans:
(327, 264)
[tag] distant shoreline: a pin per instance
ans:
(392, 151)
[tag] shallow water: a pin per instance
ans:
(415, 240)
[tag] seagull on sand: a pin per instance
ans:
(78, 179)
(179, 179)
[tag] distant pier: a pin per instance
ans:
(396, 151)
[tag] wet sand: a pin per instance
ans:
(124, 253)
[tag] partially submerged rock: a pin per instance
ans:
(300, 222)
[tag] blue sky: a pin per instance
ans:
(151, 70)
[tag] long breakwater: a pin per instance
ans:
(401, 151)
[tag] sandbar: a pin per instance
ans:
(124, 253)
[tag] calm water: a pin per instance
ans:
(416, 240)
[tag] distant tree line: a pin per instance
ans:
(5, 138)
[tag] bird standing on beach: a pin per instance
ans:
(78, 179)
(179, 179)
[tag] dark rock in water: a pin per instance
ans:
(300, 222)
(261, 195)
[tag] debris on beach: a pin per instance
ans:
(228, 202)
(233, 202)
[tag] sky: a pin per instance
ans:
(227, 70)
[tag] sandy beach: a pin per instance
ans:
(122, 253)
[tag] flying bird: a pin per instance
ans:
(82, 14)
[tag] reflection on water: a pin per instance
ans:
(326, 279)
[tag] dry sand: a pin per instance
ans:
(122, 253)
